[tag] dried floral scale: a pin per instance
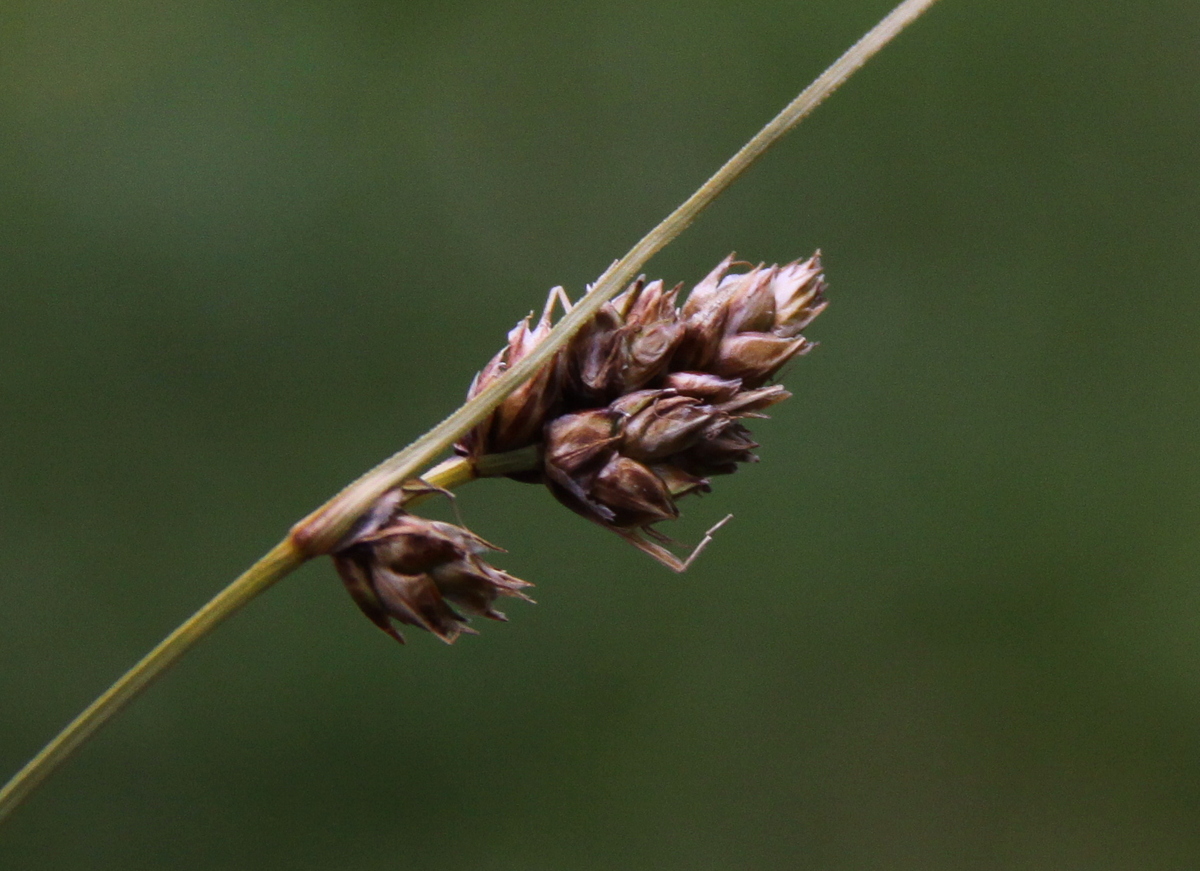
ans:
(644, 405)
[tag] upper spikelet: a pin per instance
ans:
(646, 401)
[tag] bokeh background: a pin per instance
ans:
(248, 249)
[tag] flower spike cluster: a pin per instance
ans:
(643, 406)
(646, 403)
(403, 568)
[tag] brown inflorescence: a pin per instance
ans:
(403, 568)
(646, 403)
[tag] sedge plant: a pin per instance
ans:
(630, 401)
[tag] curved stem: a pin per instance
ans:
(320, 531)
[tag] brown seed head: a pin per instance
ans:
(645, 402)
(400, 567)
(747, 325)
(625, 465)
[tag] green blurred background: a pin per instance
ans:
(248, 249)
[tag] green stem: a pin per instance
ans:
(280, 561)
(320, 531)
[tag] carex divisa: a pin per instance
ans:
(646, 404)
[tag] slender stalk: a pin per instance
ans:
(280, 561)
(318, 533)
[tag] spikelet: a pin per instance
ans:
(405, 569)
(646, 401)
(643, 406)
